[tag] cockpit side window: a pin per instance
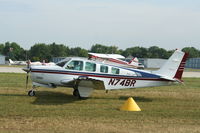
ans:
(104, 69)
(89, 66)
(75, 65)
(61, 64)
(114, 70)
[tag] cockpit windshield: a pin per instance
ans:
(63, 62)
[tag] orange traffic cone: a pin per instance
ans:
(130, 105)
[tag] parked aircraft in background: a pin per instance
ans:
(115, 59)
(37, 63)
(16, 62)
(86, 75)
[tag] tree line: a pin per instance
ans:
(42, 51)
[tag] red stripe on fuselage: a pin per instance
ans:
(181, 67)
(118, 61)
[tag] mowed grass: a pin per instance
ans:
(164, 109)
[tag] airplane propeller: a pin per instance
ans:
(27, 70)
(27, 76)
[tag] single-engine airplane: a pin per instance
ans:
(86, 75)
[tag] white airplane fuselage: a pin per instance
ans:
(127, 77)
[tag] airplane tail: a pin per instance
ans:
(174, 66)
(11, 62)
(134, 62)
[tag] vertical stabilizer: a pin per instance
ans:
(181, 67)
(174, 66)
(11, 62)
(134, 62)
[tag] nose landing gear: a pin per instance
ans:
(32, 92)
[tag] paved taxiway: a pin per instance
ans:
(11, 69)
(19, 70)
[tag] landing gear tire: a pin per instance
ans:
(31, 93)
(76, 93)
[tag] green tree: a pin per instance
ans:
(193, 52)
(169, 53)
(1, 48)
(59, 50)
(112, 50)
(120, 51)
(13, 51)
(156, 52)
(40, 52)
(78, 52)
(139, 52)
(18, 52)
(98, 48)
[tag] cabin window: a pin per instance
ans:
(90, 67)
(104, 69)
(114, 70)
(75, 65)
(62, 63)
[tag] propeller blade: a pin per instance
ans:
(27, 69)
(27, 76)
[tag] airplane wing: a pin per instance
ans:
(84, 85)
(85, 82)
(90, 82)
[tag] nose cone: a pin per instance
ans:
(26, 69)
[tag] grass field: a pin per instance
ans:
(164, 109)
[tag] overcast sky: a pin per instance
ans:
(168, 24)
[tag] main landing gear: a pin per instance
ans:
(32, 92)
(76, 93)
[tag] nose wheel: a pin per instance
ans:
(31, 93)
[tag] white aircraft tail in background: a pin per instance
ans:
(134, 62)
(11, 62)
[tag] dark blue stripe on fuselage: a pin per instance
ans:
(144, 76)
